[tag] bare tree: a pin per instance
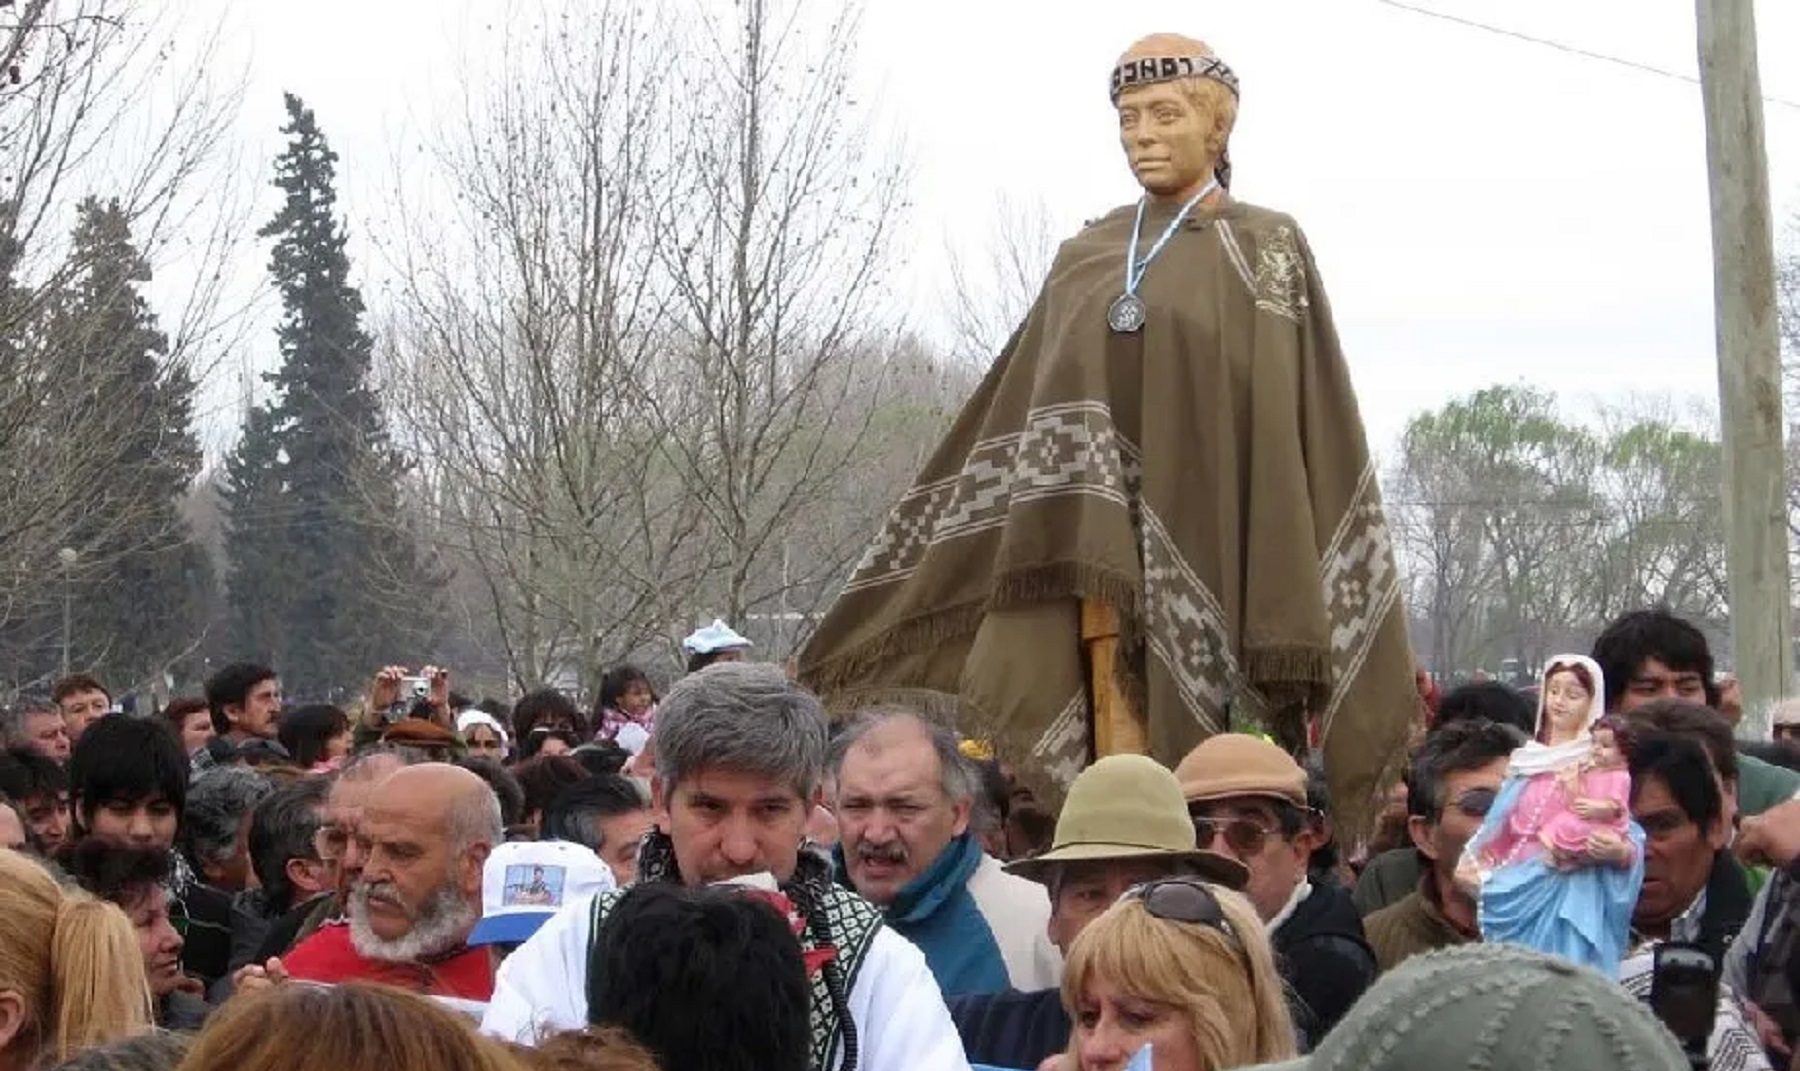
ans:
(988, 297)
(644, 354)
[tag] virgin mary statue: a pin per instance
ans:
(1558, 859)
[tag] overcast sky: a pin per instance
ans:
(1483, 209)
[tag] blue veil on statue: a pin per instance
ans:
(1558, 858)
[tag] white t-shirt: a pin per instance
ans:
(901, 1021)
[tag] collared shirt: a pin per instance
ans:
(1298, 897)
(1683, 928)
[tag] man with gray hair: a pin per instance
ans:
(904, 795)
(425, 834)
(740, 754)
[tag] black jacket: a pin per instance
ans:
(1324, 959)
(1011, 1029)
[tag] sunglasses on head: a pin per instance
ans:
(1182, 900)
(1245, 836)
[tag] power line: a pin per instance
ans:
(1560, 46)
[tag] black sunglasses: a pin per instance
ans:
(1182, 900)
(1245, 836)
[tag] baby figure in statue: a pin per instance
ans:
(1558, 861)
(1597, 792)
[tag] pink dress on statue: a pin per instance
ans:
(1544, 808)
(1568, 831)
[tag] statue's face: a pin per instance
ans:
(1167, 139)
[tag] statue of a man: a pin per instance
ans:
(1159, 498)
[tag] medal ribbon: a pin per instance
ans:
(1135, 268)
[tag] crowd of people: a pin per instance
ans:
(721, 877)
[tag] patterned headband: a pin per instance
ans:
(1147, 69)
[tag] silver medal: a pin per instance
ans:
(1125, 314)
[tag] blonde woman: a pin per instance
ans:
(70, 973)
(1182, 966)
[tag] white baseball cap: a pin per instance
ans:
(525, 882)
(715, 637)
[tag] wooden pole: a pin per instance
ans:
(1118, 729)
(1748, 350)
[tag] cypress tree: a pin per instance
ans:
(314, 562)
(140, 576)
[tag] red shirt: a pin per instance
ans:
(329, 957)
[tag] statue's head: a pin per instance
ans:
(1177, 103)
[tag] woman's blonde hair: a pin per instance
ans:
(349, 1027)
(1225, 986)
(73, 960)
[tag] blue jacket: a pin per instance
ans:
(982, 930)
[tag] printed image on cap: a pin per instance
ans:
(536, 885)
(524, 883)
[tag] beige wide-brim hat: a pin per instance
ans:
(1129, 807)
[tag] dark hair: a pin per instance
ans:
(282, 829)
(1454, 748)
(574, 813)
(75, 684)
(704, 944)
(116, 873)
(601, 757)
(1682, 766)
(1703, 725)
(533, 741)
(27, 775)
(993, 798)
(544, 777)
(305, 731)
(1322, 864)
(699, 660)
(1773, 752)
(617, 681)
(159, 1050)
(128, 760)
(540, 707)
(177, 711)
(1485, 701)
(506, 787)
(1635, 637)
(230, 687)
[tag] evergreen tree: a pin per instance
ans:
(318, 569)
(140, 579)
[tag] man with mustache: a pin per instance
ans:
(425, 832)
(740, 754)
(904, 793)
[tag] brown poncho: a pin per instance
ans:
(1207, 476)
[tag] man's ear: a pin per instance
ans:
(659, 803)
(962, 809)
(1420, 831)
(306, 875)
(473, 860)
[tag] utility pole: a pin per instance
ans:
(1749, 356)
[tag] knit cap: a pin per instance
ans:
(1483, 1007)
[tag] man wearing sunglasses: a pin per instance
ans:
(1247, 798)
(1450, 785)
